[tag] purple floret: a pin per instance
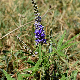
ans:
(39, 32)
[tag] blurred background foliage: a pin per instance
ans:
(61, 15)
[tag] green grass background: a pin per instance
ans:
(57, 15)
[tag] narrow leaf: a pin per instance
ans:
(60, 41)
(20, 77)
(59, 52)
(62, 47)
(8, 76)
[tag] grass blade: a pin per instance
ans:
(66, 44)
(8, 76)
(60, 41)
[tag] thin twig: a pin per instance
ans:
(48, 11)
(16, 29)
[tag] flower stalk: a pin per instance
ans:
(39, 32)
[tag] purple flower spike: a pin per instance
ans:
(40, 35)
(39, 32)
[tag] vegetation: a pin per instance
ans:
(21, 59)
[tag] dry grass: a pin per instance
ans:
(60, 15)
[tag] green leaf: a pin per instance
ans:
(63, 77)
(35, 67)
(20, 77)
(24, 75)
(38, 63)
(59, 52)
(8, 76)
(40, 55)
(75, 63)
(66, 44)
(73, 75)
(22, 58)
(30, 62)
(60, 41)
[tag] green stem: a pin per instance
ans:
(40, 56)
